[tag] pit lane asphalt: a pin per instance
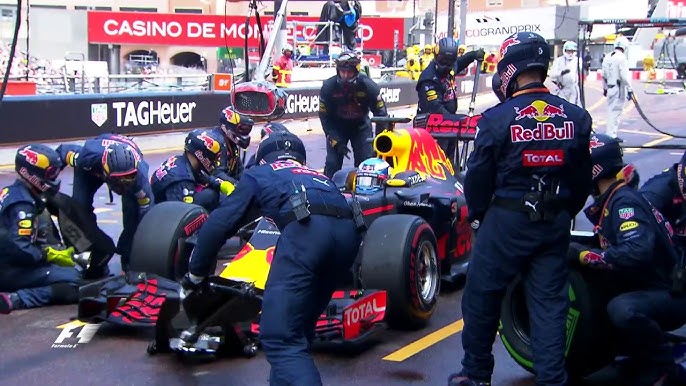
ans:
(118, 357)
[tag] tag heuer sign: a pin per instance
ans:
(99, 113)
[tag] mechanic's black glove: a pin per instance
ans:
(480, 55)
(224, 186)
(565, 72)
(191, 283)
(339, 146)
(574, 252)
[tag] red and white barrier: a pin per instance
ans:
(638, 75)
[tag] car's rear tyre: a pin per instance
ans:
(399, 256)
(159, 243)
(589, 347)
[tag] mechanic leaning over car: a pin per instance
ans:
(117, 161)
(271, 127)
(436, 87)
(33, 273)
(234, 132)
(188, 177)
(667, 193)
(317, 247)
(527, 177)
(640, 256)
(345, 101)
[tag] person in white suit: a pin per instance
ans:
(616, 84)
(565, 74)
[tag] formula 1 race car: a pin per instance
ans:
(591, 343)
(394, 282)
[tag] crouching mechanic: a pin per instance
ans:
(316, 249)
(117, 161)
(639, 255)
(188, 177)
(32, 274)
(271, 127)
(667, 193)
(523, 186)
(234, 131)
(345, 101)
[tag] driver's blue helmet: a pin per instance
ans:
(371, 175)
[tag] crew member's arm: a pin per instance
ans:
(69, 153)
(635, 239)
(326, 109)
(376, 103)
(222, 223)
(479, 184)
(18, 220)
(581, 167)
(465, 60)
(143, 191)
(429, 94)
(624, 74)
(180, 191)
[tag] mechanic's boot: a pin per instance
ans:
(9, 302)
(459, 379)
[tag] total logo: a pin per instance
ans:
(540, 111)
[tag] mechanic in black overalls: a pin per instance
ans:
(436, 87)
(188, 177)
(271, 127)
(667, 193)
(117, 161)
(345, 101)
(639, 254)
(234, 132)
(315, 251)
(33, 274)
(528, 176)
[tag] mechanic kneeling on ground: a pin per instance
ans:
(436, 87)
(188, 177)
(271, 127)
(345, 101)
(117, 161)
(667, 193)
(639, 254)
(315, 251)
(33, 274)
(234, 132)
(523, 186)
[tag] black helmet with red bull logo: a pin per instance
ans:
(279, 147)
(273, 127)
(445, 55)
(520, 52)
(120, 167)
(348, 61)
(39, 165)
(236, 127)
(205, 147)
(606, 156)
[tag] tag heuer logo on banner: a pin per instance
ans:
(99, 113)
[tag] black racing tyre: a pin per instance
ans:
(159, 242)
(589, 347)
(399, 256)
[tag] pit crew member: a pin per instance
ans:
(234, 130)
(565, 74)
(616, 84)
(318, 245)
(666, 192)
(271, 127)
(33, 274)
(523, 186)
(188, 177)
(436, 87)
(639, 255)
(345, 101)
(114, 160)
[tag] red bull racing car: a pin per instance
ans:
(417, 232)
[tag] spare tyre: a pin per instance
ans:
(589, 347)
(399, 256)
(159, 245)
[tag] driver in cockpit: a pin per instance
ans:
(371, 175)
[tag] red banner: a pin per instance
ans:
(217, 31)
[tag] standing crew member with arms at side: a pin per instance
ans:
(616, 85)
(565, 74)
(345, 101)
(436, 87)
(528, 176)
(315, 252)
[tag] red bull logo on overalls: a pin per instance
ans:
(540, 111)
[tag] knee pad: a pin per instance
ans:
(65, 293)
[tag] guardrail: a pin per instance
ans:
(52, 118)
